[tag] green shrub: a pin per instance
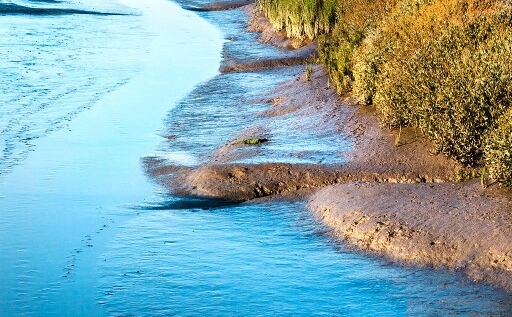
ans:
(355, 19)
(366, 61)
(442, 66)
(339, 26)
(498, 150)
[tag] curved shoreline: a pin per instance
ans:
(426, 220)
(458, 226)
(64, 202)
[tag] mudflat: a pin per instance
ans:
(459, 226)
(386, 194)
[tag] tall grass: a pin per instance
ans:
(443, 66)
(300, 19)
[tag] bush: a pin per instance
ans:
(498, 150)
(355, 19)
(442, 66)
(339, 25)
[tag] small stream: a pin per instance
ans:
(83, 99)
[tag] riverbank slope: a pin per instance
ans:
(393, 197)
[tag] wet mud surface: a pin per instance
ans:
(352, 148)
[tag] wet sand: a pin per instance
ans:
(458, 226)
(385, 195)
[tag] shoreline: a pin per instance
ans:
(78, 187)
(390, 197)
(457, 226)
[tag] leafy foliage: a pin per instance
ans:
(355, 20)
(498, 150)
(443, 66)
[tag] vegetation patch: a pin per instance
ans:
(253, 141)
(498, 150)
(300, 19)
(442, 66)
(356, 20)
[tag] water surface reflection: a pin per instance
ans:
(268, 259)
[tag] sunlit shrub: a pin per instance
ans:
(339, 26)
(498, 150)
(366, 61)
(442, 66)
(355, 19)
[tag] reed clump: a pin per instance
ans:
(300, 19)
(442, 66)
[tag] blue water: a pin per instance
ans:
(83, 232)
(268, 260)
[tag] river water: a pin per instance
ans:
(84, 96)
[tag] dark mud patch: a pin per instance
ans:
(245, 66)
(305, 55)
(46, 1)
(242, 182)
(184, 203)
(15, 9)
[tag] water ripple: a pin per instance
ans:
(15, 9)
(268, 260)
(43, 81)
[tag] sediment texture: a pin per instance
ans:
(386, 193)
(454, 225)
(307, 106)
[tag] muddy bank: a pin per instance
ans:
(305, 109)
(391, 196)
(241, 182)
(300, 56)
(294, 52)
(459, 226)
(259, 23)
